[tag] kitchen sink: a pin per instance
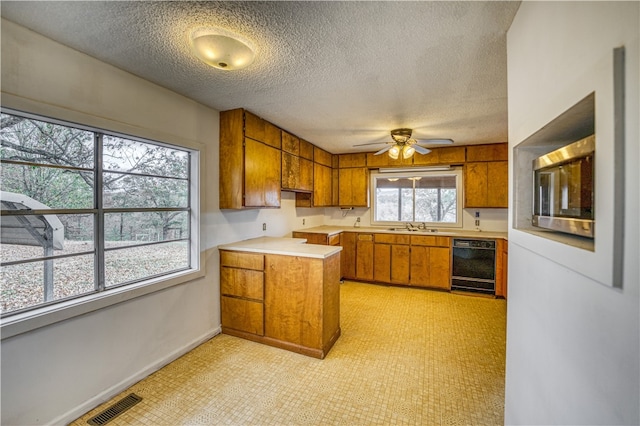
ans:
(429, 231)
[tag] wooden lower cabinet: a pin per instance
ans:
(364, 257)
(242, 291)
(290, 302)
(243, 315)
(318, 238)
(382, 263)
(502, 262)
(391, 258)
(348, 255)
(430, 262)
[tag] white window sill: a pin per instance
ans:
(27, 321)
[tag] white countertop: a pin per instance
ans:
(461, 233)
(282, 246)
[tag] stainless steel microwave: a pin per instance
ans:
(563, 189)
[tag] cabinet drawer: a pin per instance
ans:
(242, 283)
(334, 240)
(392, 239)
(365, 237)
(429, 240)
(243, 315)
(242, 260)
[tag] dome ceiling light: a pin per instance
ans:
(221, 49)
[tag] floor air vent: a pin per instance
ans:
(115, 410)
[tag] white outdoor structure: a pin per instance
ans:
(45, 231)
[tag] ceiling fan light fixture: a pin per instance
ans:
(394, 152)
(221, 49)
(408, 151)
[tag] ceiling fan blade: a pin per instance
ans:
(435, 141)
(383, 150)
(421, 149)
(371, 143)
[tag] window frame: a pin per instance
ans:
(30, 318)
(418, 172)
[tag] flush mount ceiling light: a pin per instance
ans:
(221, 49)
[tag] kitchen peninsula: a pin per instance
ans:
(281, 292)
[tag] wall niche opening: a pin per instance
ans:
(576, 123)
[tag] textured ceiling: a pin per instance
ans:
(334, 73)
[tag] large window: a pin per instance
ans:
(429, 197)
(85, 211)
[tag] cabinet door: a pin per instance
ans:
(261, 130)
(243, 315)
(348, 254)
(498, 184)
(400, 264)
(475, 185)
(382, 263)
(321, 185)
(439, 267)
(353, 187)
(419, 266)
(305, 179)
(290, 144)
(364, 257)
(262, 175)
(290, 171)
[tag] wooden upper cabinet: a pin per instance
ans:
(322, 185)
(250, 161)
(290, 171)
(320, 156)
(446, 155)
(485, 184)
(297, 173)
(290, 144)
(489, 152)
(353, 187)
(498, 184)
(261, 130)
(262, 175)
(306, 149)
(352, 160)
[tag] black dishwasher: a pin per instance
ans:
(474, 265)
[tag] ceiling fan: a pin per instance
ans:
(403, 143)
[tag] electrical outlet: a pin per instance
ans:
(303, 222)
(357, 219)
(264, 226)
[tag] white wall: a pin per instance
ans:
(56, 373)
(573, 340)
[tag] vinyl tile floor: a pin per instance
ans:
(406, 356)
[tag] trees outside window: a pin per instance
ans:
(416, 197)
(121, 206)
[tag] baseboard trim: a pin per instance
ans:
(114, 390)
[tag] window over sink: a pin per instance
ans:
(432, 198)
